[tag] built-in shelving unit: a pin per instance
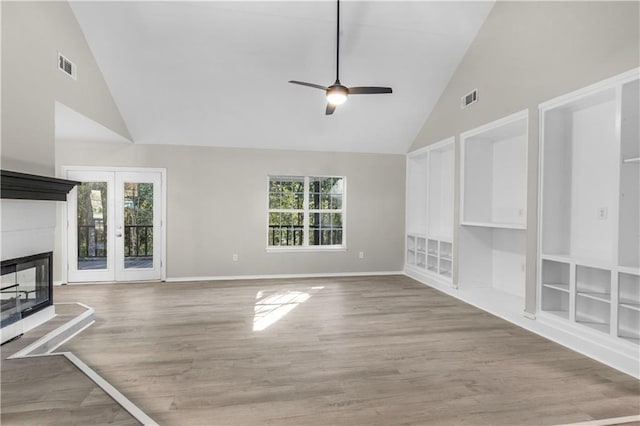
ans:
(429, 220)
(589, 229)
(492, 238)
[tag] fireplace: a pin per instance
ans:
(27, 238)
(26, 287)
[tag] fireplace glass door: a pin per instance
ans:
(114, 226)
(26, 287)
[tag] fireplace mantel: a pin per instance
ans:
(23, 186)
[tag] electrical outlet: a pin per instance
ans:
(361, 255)
(602, 213)
(235, 257)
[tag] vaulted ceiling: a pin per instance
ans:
(215, 73)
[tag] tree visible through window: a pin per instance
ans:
(306, 211)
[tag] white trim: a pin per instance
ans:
(515, 226)
(64, 259)
(114, 393)
(608, 83)
(283, 276)
(434, 146)
(305, 249)
(306, 212)
(606, 422)
(87, 314)
(109, 389)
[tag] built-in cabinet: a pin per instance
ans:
(430, 178)
(588, 236)
(589, 229)
(493, 211)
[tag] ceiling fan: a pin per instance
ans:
(337, 93)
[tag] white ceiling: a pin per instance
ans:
(215, 73)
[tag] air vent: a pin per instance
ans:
(470, 98)
(67, 67)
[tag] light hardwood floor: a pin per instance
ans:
(357, 351)
(51, 390)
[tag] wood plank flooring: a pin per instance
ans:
(349, 351)
(51, 390)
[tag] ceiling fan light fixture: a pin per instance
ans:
(337, 95)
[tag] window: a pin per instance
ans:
(306, 212)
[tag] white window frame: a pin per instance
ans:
(305, 247)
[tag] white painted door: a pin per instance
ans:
(114, 226)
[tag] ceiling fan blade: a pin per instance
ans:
(302, 83)
(330, 109)
(369, 90)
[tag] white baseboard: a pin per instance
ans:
(619, 355)
(283, 276)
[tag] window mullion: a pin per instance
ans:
(305, 219)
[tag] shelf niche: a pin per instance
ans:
(430, 178)
(495, 173)
(579, 191)
(590, 204)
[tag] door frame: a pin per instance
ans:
(64, 224)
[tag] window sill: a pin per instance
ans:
(306, 249)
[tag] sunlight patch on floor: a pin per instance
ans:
(273, 305)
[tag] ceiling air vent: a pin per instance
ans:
(67, 67)
(470, 98)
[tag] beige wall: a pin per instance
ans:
(32, 34)
(217, 206)
(527, 53)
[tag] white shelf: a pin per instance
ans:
(561, 314)
(601, 297)
(631, 270)
(601, 327)
(633, 340)
(582, 261)
(495, 225)
(559, 287)
(630, 304)
(631, 160)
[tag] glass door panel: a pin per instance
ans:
(92, 225)
(138, 218)
(138, 225)
(90, 210)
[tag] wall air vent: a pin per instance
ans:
(67, 67)
(469, 98)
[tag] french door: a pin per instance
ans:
(114, 228)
